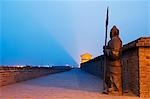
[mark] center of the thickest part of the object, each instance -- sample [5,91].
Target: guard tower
[85,57]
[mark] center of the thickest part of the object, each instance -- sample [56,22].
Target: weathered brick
[11,75]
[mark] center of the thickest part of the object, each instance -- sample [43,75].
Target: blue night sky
[58,32]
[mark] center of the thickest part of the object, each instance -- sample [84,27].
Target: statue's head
[114,32]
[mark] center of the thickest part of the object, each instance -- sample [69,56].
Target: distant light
[45,65]
[67,64]
[19,66]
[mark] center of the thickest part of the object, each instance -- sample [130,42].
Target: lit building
[85,57]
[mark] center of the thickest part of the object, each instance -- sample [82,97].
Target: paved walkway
[74,84]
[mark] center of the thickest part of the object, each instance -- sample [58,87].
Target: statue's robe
[114,66]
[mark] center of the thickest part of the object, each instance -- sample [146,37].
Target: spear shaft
[105,62]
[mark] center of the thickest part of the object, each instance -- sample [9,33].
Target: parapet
[140,42]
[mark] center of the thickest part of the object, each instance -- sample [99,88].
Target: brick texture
[10,75]
[94,66]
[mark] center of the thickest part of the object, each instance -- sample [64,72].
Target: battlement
[140,42]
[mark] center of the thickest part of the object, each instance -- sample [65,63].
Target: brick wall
[94,66]
[9,75]
[144,66]
[144,56]
[135,67]
[130,69]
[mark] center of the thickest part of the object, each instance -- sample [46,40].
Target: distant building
[85,57]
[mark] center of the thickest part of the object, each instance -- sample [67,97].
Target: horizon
[58,32]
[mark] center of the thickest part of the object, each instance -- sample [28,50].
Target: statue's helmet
[114,31]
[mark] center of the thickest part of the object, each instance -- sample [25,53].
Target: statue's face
[112,33]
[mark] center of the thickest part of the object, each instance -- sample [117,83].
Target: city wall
[10,75]
[135,67]
[94,66]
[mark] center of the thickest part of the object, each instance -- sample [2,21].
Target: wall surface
[10,75]
[94,66]
[144,66]
[130,70]
[144,61]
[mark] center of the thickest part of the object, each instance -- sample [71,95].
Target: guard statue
[113,78]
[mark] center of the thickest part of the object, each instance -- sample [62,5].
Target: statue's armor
[113,53]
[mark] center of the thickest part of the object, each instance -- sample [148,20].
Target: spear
[106,26]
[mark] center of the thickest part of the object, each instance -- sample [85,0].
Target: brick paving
[73,84]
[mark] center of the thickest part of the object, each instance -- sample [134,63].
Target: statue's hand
[106,47]
[103,47]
